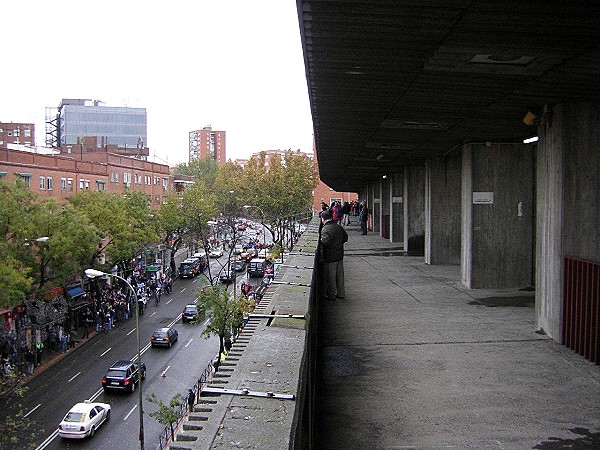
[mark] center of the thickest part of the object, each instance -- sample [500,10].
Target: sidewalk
[411,359]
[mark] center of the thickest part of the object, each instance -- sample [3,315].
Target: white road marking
[129,413]
[190,341]
[109,349]
[72,378]
[32,410]
[181,291]
[130,332]
[169,301]
[152,313]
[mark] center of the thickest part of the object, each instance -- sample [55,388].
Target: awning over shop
[75,291]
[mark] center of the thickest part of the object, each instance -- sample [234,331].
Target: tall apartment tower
[75,119]
[208,142]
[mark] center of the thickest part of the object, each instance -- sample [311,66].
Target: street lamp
[92,273]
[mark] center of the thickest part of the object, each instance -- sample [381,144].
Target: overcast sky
[234,64]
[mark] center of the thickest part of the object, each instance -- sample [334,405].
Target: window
[165,183]
[26,178]
[81,185]
[147,180]
[127,178]
[27,132]
[156,181]
[100,185]
[87,185]
[70,184]
[42,183]
[63,184]
[49,183]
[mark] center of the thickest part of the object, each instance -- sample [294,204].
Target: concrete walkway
[413,360]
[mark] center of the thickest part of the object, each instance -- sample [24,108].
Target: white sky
[234,64]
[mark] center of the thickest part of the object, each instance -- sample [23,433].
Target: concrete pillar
[443,210]
[376,209]
[385,207]
[498,214]
[568,223]
[397,207]
[414,210]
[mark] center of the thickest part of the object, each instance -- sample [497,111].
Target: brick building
[208,142]
[59,176]
[16,133]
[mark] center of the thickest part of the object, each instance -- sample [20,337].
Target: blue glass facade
[122,126]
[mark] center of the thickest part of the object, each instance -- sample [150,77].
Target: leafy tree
[126,225]
[283,188]
[71,239]
[204,170]
[15,281]
[167,414]
[225,313]
[172,225]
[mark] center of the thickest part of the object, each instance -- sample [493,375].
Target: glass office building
[122,126]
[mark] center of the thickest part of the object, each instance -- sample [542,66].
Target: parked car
[226,276]
[83,419]
[189,268]
[238,265]
[164,337]
[216,253]
[238,249]
[122,375]
[190,313]
[260,290]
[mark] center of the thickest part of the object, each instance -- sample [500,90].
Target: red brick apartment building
[208,142]
[61,175]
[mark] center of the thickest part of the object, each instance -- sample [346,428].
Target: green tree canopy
[204,170]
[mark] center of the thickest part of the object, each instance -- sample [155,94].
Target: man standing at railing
[333,237]
[191,399]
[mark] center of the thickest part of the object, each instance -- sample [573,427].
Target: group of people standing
[332,237]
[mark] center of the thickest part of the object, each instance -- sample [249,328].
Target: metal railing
[168,433]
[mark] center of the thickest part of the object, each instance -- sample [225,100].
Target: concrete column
[397,208]
[568,224]
[498,217]
[385,207]
[414,209]
[443,210]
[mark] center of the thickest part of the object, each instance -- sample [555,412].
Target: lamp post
[92,273]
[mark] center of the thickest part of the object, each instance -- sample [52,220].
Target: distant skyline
[231,64]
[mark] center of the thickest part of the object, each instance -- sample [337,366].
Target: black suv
[122,376]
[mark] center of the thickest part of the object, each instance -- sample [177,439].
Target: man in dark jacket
[333,237]
[363,216]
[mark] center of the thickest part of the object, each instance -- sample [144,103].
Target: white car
[216,253]
[83,420]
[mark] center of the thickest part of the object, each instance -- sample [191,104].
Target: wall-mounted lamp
[385,176]
[530,140]
[379,157]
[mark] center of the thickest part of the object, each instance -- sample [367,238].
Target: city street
[77,376]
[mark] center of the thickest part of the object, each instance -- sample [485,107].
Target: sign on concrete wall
[483,198]
[397,200]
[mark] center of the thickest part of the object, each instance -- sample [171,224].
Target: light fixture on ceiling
[530,140]
[502,59]
[379,157]
[531,118]
[384,176]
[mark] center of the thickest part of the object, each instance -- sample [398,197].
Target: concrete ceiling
[393,82]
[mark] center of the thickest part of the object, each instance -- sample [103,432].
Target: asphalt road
[78,375]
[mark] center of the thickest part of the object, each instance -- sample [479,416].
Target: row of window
[16,133]
[137,179]
[66,184]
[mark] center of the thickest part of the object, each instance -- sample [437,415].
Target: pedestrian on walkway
[191,399]
[29,361]
[363,216]
[332,239]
